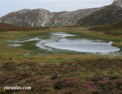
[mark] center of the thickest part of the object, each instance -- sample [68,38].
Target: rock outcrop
[107,15]
[43,18]
[118,3]
[82,17]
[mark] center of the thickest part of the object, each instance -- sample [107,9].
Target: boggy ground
[63,74]
[59,73]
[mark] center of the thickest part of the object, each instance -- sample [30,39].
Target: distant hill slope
[44,18]
[114,26]
[114,29]
[6,27]
[82,17]
[9,27]
[70,18]
[107,15]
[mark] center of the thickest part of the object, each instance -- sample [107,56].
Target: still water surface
[61,41]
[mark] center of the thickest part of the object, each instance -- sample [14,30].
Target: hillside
[44,18]
[9,27]
[114,29]
[108,15]
[83,17]
[6,27]
[107,27]
[69,18]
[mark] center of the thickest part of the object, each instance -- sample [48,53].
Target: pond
[64,41]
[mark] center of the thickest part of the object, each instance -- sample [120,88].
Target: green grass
[32,49]
[58,72]
[113,29]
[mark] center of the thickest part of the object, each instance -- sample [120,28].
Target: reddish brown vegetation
[64,78]
[9,27]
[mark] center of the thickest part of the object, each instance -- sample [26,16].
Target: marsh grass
[58,72]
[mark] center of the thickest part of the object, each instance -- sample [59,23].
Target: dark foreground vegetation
[67,74]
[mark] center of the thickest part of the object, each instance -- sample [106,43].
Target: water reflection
[60,41]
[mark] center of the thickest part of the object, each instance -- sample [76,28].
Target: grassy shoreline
[59,73]
[80,32]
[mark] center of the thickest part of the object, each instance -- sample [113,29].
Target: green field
[59,72]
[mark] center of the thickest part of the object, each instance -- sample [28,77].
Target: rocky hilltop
[71,18]
[107,15]
[118,3]
[27,17]
[82,17]
[42,17]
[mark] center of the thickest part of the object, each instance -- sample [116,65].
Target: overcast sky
[7,6]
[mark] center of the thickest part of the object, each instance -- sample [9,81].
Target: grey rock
[43,18]
[118,3]
[71,17]
[27,17]
[107,15]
